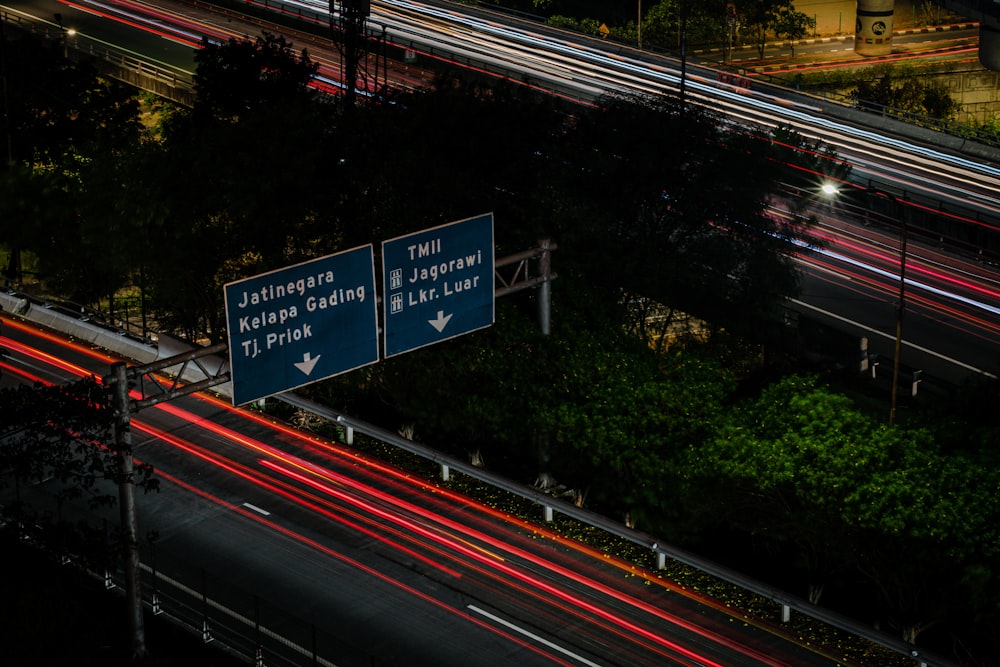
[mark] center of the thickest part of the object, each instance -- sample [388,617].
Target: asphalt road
[263,531]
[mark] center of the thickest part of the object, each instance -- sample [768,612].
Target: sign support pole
[545,289]
[126,500]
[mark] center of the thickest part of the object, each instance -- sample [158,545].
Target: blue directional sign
[302,323]
[438,284]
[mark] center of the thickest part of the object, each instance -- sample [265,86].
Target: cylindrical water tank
[873,28]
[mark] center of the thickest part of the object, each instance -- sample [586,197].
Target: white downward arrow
[441,322]
[308,363]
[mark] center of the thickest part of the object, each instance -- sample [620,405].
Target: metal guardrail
[242,623]
[948,127]
[245,632]
[211,607]
[551,504]
[158,77]
[129,60]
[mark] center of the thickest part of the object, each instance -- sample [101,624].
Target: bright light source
[829,189]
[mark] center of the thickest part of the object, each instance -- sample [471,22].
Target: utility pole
[119,382]
[638,25]
[684,22]
[351,19]
[6,104]
[900,307]
[901,300]
[126,501]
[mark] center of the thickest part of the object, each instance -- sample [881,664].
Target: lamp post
[900,307]
[901,300]
[730,32]
[9,153]
[683,48]
[638,25]
[830,190]
[64,34]
[70,32]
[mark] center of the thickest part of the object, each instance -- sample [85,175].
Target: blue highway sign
[302,324]
[438,284]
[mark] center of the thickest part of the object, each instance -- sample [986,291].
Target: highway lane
[926,176]
[951,322]
[573,65]
[915,169]
[388,565]
[101,26]
[910,171]
[172,45]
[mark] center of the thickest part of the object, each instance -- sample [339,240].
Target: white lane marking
[885,335]
[257,509]
[516,628]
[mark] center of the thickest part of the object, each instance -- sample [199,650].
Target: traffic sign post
[438,284]
[302,324]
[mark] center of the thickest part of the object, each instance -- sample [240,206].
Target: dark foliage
[62,434]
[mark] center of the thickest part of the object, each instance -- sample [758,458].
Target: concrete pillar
[989,46]
[873,28]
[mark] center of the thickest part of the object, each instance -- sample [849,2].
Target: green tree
[673,208]
[759,19]
[661,24]
[250,159]
[619,415]
[802,467]
[888,87]
[61,433]
[61,111]
[792,25]
[63,117]
[242,76]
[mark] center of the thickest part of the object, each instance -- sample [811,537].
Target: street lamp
[730,32]
[64,34]
[831,190]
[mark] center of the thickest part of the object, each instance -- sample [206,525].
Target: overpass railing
[166,80]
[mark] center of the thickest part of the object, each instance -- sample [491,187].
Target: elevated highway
[987,12]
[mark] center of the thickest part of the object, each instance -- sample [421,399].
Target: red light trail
[421,535]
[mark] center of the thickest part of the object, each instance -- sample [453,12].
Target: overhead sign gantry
[438,284]
[302,324]
[317,319]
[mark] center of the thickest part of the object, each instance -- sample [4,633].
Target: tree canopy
[63,434]
[883,86]
[63,120]
[804,469]
[670,263]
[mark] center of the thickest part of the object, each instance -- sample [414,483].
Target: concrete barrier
[79,328]
[117,342]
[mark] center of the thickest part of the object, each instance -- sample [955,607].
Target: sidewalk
[836,17]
